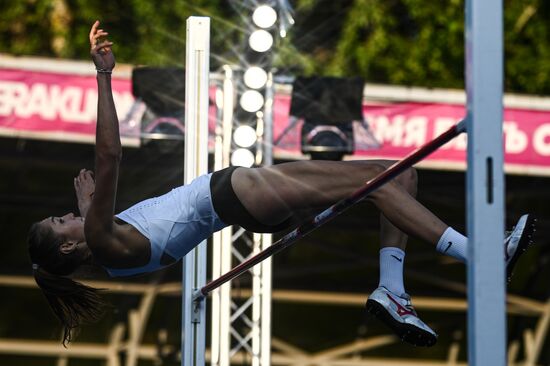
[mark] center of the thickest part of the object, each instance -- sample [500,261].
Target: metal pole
[215,319]
[336,209]
[267,239]
[485,184]
[196,164]
[221,249]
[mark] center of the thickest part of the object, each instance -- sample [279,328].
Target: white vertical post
[265,326]
[221,253]
[485,183]
[216,245]
[196,163]
[257,303]
[266,280]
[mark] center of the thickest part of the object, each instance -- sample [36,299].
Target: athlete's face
[69,227]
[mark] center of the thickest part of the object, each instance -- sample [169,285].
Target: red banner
[400,128]
[57,106]
[61,106]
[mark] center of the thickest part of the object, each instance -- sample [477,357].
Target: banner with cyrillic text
[58,106]
[395,130]
[63,107]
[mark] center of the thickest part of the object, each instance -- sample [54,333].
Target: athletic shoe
[398,313]
[517,241]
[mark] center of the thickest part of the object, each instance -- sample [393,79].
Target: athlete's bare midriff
[138,247]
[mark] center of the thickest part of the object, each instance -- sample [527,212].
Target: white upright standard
[196,163]
[485,184]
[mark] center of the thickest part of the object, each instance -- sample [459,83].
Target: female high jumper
[159,231]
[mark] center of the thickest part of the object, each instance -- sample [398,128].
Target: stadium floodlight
[260,40]
[255,77]
[244,136]
[328,106]
[264,16]
[252,101]
[242,157]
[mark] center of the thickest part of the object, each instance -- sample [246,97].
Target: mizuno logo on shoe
[396,257]
[401,310]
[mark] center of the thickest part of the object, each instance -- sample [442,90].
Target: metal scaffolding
[240,325]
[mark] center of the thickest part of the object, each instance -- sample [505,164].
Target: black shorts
[230,209]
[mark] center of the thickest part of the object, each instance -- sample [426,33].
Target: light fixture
[242,157]
[251,101]
[328,106]
[244,136]
[255,77]
[260,40]
[264,16]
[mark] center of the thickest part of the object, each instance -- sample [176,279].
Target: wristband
[104,71]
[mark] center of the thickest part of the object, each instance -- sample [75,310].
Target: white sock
[391,269]
[454,244]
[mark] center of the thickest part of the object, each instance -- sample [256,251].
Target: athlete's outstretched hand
[101,52]
[84,186]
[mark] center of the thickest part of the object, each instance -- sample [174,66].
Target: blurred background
[349,79]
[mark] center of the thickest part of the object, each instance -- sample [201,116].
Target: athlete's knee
[405,181]
[409,180]
[375,169]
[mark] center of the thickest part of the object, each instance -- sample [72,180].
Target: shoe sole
[406,332]
[524,242]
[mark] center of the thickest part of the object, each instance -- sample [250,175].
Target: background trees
[409,42]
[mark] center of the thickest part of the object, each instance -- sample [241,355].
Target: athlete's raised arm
[99,219]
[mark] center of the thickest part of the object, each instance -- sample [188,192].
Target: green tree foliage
[407,42]
[144,31]
[527,47]
[414,42]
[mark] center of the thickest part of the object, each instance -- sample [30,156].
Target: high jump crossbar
[336,209]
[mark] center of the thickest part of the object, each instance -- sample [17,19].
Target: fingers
[103,47]
[93,31]
[84,175]
[96,33]
[95,37]
[77,179]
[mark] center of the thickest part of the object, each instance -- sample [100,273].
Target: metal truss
[250,315]
[240,325]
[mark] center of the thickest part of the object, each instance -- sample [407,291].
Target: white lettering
[415,131]
[90,105]
[18,94]
[39,102]
[541,140]
[70,105]
[10,92]
[387,131]
[55,102]
[515,140]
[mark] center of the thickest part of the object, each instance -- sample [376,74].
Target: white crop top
[174,223]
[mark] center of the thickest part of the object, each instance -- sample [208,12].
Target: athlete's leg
[272,194]
[392,240]
[276,192]
[391,236]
